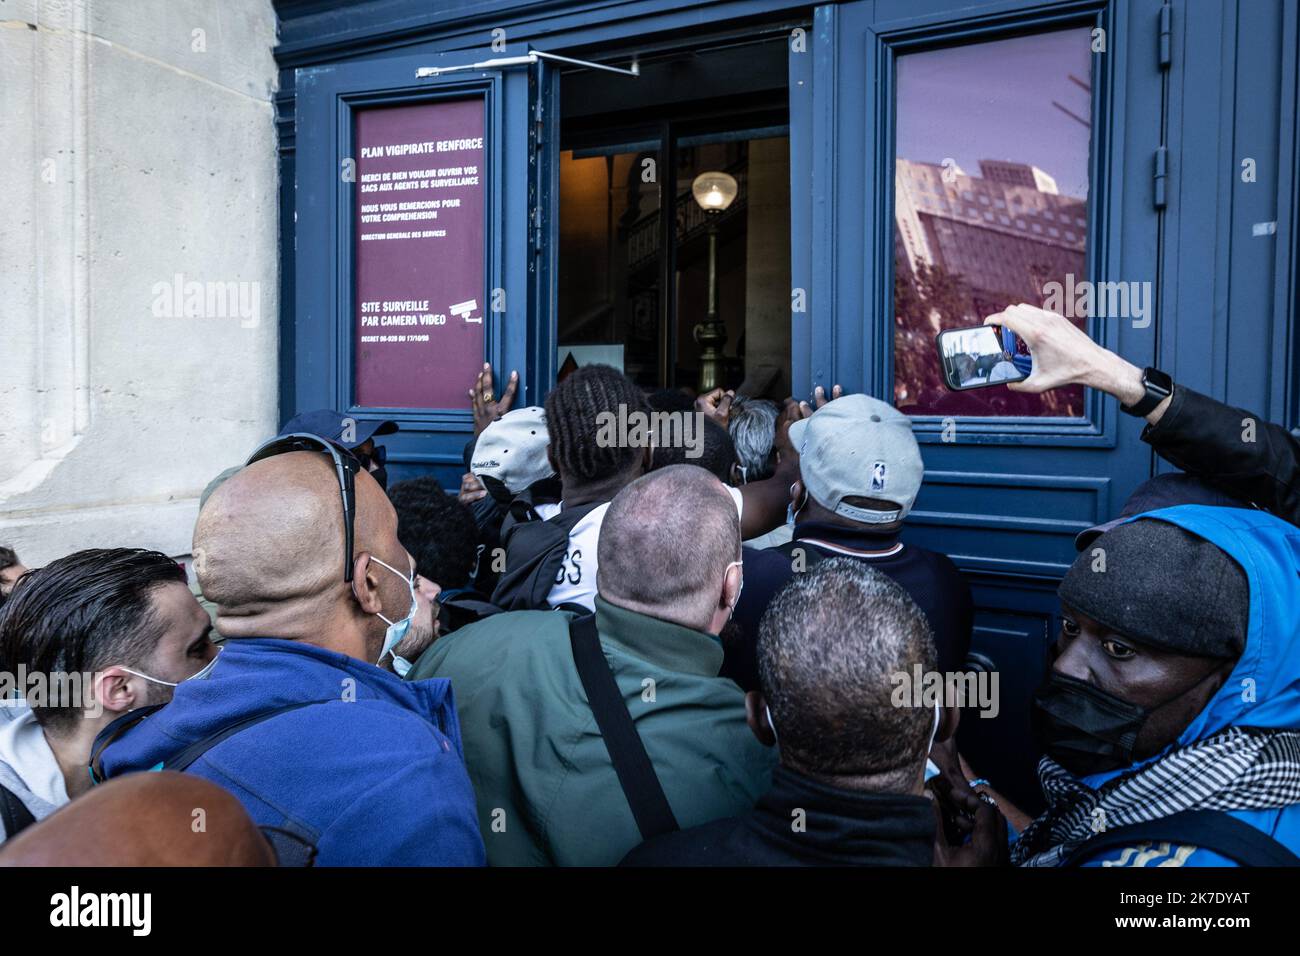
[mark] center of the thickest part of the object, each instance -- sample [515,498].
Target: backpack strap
[569,517]
[534,555]
[1213,830]
[522,508]
[181,761]
[461,606]
[13,813]
[110,733]
[290,849]
[636,774]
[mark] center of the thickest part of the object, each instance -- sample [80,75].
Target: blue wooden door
[953,157]
[329,100]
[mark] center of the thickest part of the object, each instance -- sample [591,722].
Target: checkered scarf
[1241,768]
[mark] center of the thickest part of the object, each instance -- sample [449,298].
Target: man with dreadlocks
[551,544]
[1170,718]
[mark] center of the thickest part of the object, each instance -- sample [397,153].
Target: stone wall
[138,264]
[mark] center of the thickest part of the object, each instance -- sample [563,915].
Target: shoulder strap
[1212,830]
[636,774]
[14,813]
[290,849]
[522,508]
[534,555]
[461,606]
[113,731]
[194,751]
[569,517]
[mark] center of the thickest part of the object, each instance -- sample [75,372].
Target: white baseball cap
[859,446]
[512,449]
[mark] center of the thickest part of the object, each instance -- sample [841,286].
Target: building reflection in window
[990,203]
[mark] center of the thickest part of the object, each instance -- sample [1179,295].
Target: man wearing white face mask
[299,552]
[849,788]
[87,638]
[587,732]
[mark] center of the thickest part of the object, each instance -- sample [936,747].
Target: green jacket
[547,792]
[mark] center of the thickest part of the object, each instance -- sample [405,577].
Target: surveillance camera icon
[465,310]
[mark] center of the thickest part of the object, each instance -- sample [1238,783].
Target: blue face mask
[396,632]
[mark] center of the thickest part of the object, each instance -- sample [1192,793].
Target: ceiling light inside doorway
[714,191]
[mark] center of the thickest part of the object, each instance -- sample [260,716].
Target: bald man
[296,719]
[669,576]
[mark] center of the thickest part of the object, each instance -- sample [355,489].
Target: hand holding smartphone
[982,355]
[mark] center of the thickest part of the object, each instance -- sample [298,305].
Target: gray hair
[830,648]
[753,431]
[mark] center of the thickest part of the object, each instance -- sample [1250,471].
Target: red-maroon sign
[420,209]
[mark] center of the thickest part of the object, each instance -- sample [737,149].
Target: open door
[679,289]
[417,215]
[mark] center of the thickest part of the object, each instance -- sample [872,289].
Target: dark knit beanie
[1162,586]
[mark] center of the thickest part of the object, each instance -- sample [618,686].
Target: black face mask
[1083,728]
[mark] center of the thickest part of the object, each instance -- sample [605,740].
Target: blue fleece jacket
[1264,688]
[373,775]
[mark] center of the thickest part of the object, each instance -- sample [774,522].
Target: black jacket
[1208,439]
[932,580]
[841,828]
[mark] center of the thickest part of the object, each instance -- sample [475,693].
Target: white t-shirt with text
[575,583]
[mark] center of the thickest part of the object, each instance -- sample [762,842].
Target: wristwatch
[1158,385]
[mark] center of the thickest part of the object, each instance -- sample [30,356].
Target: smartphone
[982,355]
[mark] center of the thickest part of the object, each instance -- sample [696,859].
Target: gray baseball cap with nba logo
[858,446]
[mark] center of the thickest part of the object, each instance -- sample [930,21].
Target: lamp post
[714,192]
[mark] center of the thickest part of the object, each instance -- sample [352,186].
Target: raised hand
[487,408]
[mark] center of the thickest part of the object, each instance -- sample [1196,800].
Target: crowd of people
[640,653]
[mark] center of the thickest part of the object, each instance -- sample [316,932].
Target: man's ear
[550,457]
[797,492]
[731,587]
[735,474]
[365,584]
[756,717]
[949,721]
[114,692]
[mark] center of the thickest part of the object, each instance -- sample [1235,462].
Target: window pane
[983,128]
[610,262]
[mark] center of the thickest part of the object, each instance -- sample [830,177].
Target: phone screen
[982,355]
